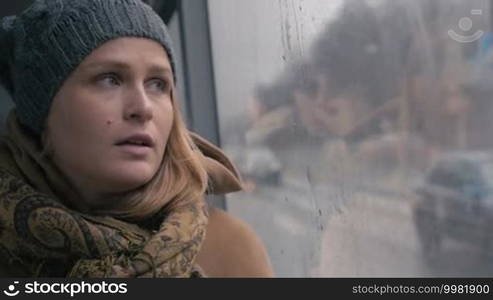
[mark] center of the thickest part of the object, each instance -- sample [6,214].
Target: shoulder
[232,249]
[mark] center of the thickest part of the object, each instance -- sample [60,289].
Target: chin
[131,178]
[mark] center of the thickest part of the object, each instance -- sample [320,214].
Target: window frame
[197,65]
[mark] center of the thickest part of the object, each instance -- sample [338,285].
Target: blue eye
[109,80]
[158,85]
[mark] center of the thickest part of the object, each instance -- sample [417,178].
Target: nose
[138,106]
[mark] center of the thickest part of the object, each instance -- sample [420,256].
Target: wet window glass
[362,130]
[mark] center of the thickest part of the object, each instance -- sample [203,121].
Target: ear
[6,52]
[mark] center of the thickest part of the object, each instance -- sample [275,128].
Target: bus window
[362,131]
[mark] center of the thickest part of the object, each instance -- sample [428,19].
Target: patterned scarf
[40,236]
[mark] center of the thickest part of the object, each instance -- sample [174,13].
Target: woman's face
[322,114]
[110,121]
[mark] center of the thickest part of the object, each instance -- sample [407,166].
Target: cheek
[81,111]
[84,128]
[77,141]
[77,125]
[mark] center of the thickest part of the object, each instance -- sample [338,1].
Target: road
[342,232]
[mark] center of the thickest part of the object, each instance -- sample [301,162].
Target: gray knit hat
[41,47]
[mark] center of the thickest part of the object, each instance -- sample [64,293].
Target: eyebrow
[155,68]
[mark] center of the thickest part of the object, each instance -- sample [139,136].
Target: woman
[99,176]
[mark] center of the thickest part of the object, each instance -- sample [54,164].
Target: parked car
[455,201]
